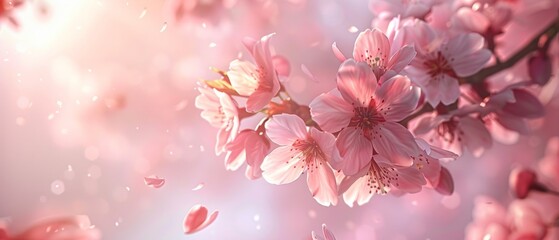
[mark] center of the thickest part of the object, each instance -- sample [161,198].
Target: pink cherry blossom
[220,110]
[301,149]
[454,131]
[428,163]
[197,219]
[60,228]
[441,61]
[249,146]
[257,81]
[366,116]
[379,176]
[374,48]
[327,234]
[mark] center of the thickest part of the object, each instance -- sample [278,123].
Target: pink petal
[249,44]
[280,166]
[253,173]
[355,150]
[241,74]
[339,55]
[326,142]
[396,98]
[331,112]
[307,72]
[476,137]
[514,123]
[526,105]
[370,45]
[256,149]
[198,187]
[401,58]
[258,100]
[395,142]
[446,183]
[449,90]
[154,181]
[322,184]
[356,82]
[327,234]
[236,154]
[358,193]
[196,219]
[471,63]
[464,44]
[410,179]
[281,64]
[284,129]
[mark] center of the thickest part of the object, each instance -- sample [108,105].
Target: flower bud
[539,68]
[521,181]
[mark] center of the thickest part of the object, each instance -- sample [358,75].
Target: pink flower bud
[446,184]
[526,105]
[521,181]
[539,68]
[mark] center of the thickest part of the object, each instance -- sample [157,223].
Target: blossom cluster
[413,94]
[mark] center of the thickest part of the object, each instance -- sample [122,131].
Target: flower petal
[395,142]
[339,55]
[355,150]
[396,98]
[241,74]
[446,183]
[284,129]
[372,46]
[327,234]
[476,136]
[356,82]
[331,112]
[196,219]
[449,90]
[322,184]
[154,181]
[401,58]
[281,166]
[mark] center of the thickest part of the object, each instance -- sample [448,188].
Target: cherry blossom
[454,132]
[301,149]
[374,48]
[220,110]
[257,81]
[379,176]
[442,61]
[365,116]
[249,146]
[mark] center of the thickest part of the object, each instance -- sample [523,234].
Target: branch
[551,30]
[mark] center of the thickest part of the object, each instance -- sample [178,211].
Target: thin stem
[550,31]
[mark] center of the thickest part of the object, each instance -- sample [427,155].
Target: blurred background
[95,95]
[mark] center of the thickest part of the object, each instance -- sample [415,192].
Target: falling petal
[197,219]
[353,29]
[143,13]
[164,27]
[154,181]
[198,187]
[307,72]
[212,45]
